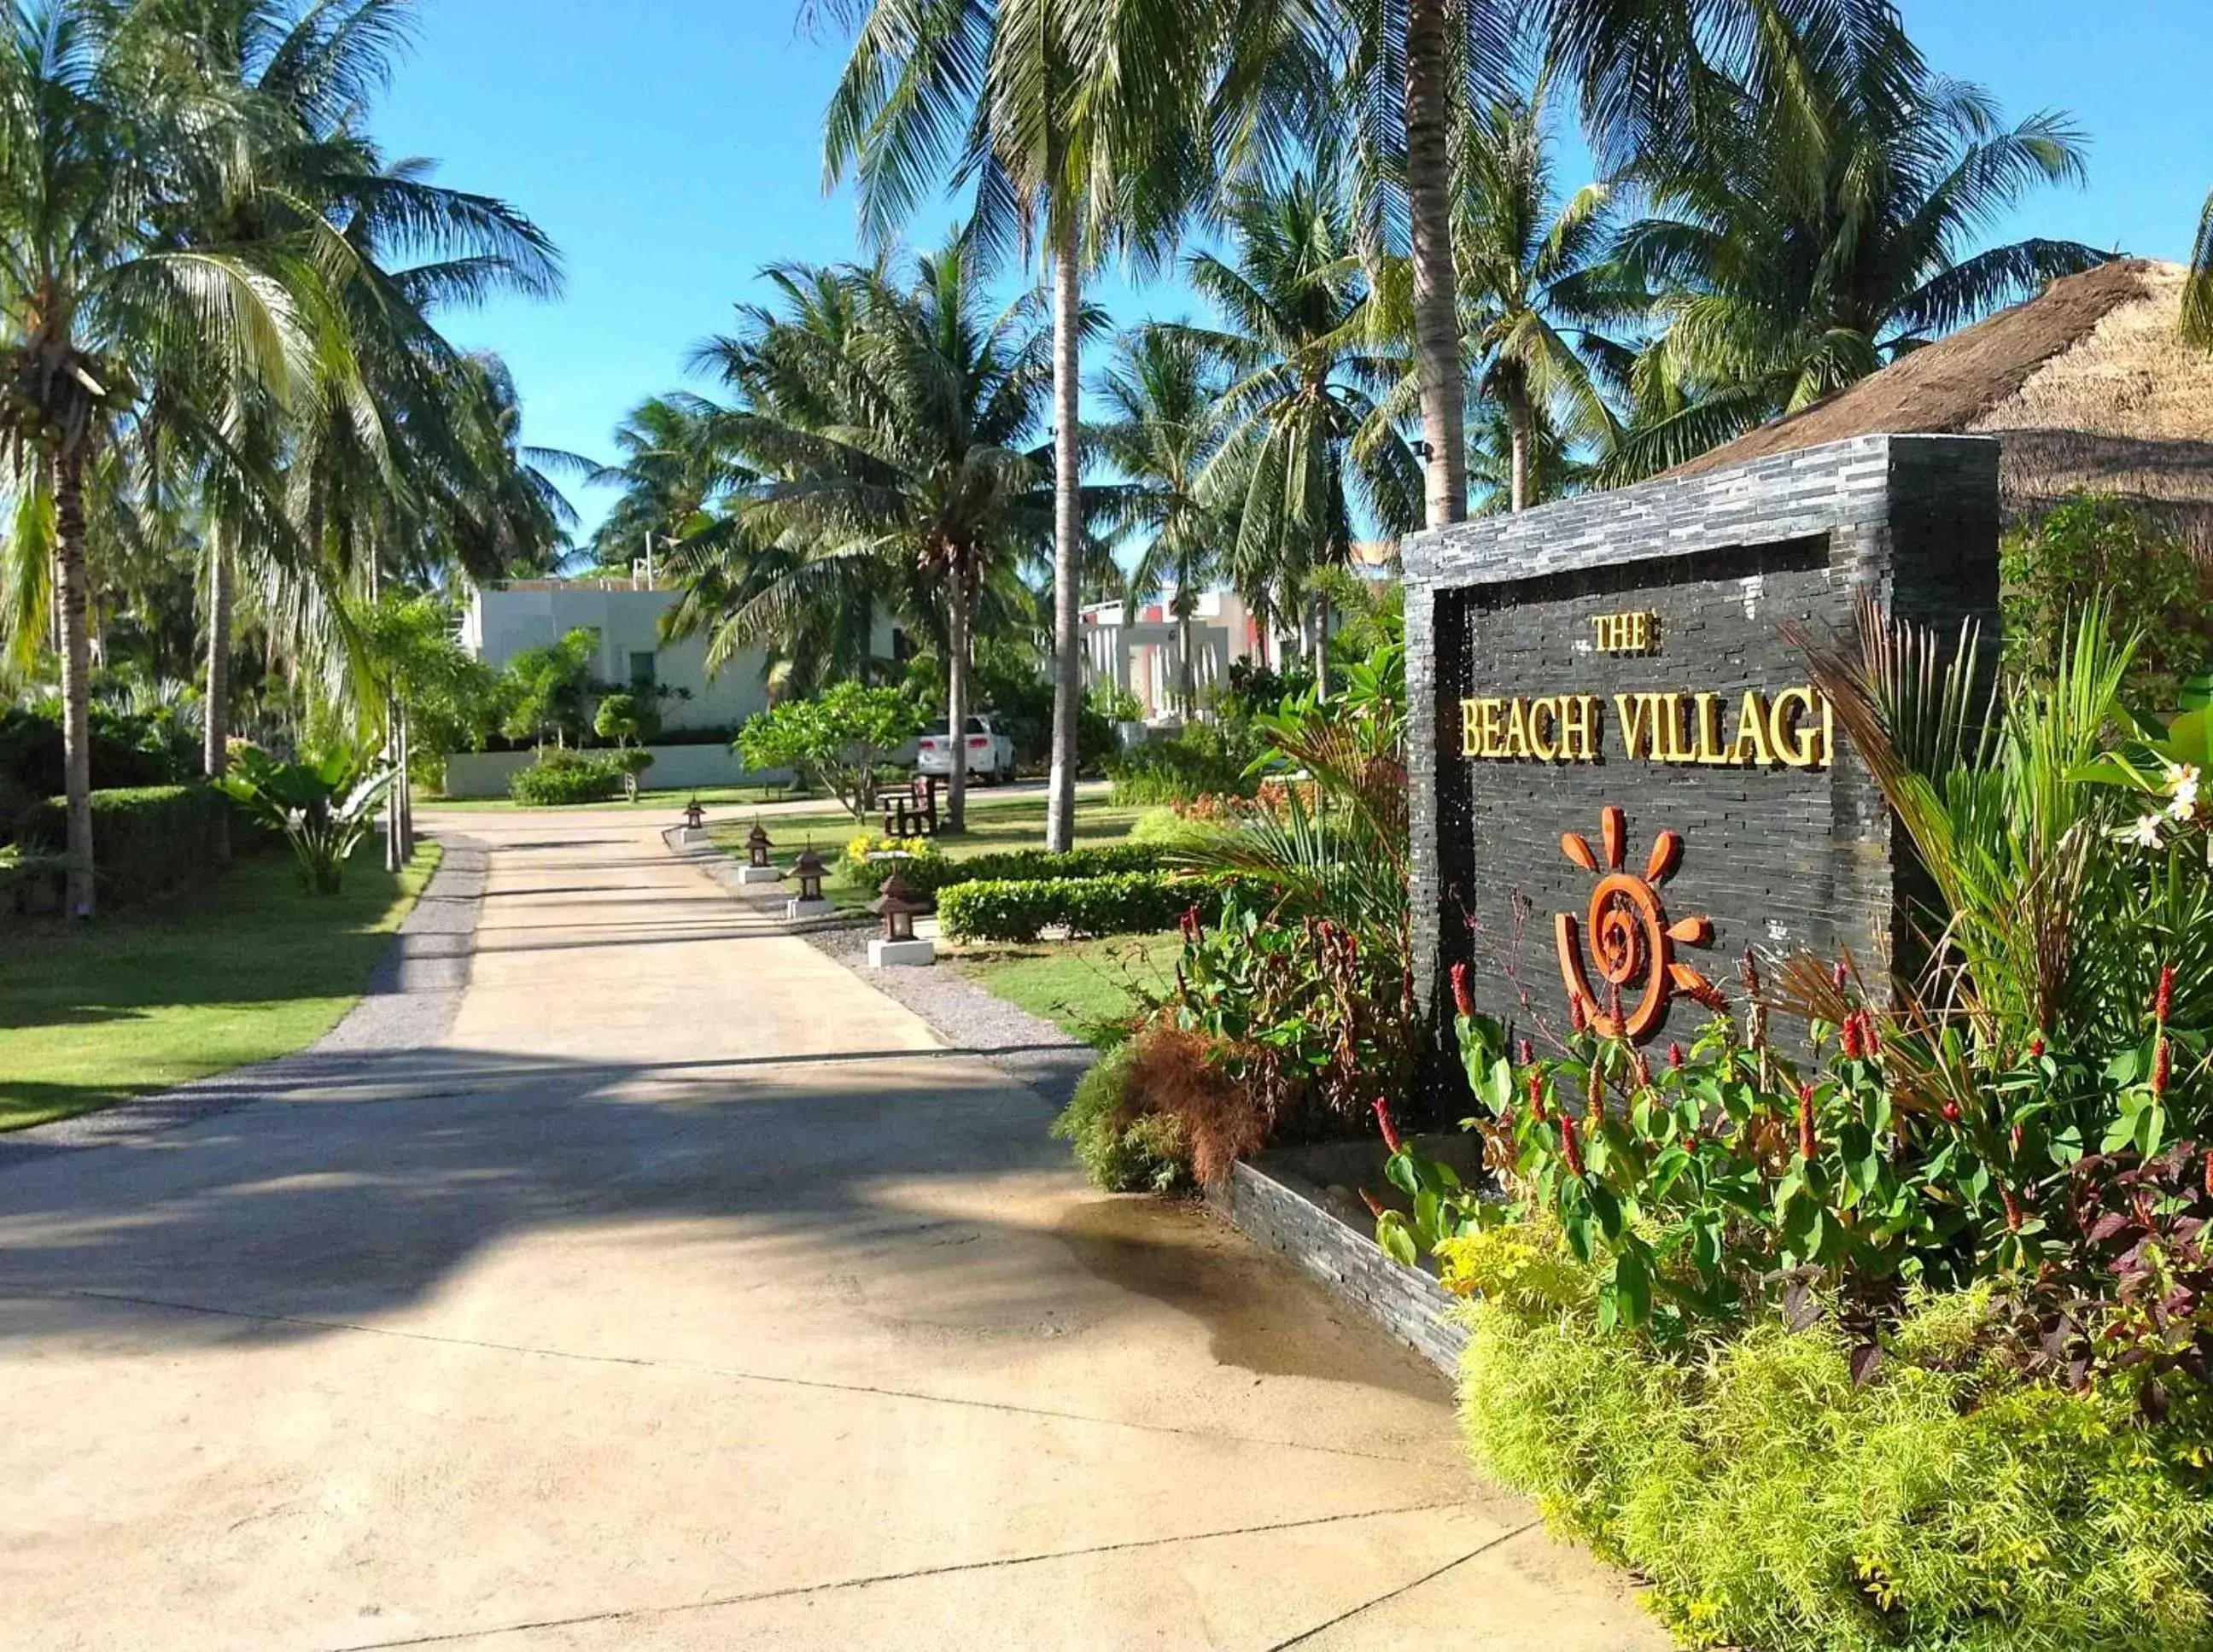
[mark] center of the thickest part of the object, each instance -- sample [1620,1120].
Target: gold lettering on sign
[1795,728]
[1625,633]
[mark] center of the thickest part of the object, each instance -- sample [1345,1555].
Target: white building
[626,615]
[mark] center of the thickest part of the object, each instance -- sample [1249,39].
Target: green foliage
[1313,1022]
[2156,589]
[128,751]
[568,776]
[1162,828]
[626,719]
[837,740]
[451,699]
[928,877]
[323,804]
[546,691]
[1120,1154]
[1175,772]
[1772,1501]
[151,839]
[1126,903]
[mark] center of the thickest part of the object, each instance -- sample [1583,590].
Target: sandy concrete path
[688,1296]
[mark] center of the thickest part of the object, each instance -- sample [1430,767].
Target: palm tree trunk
[1321,642]
[214,717]
[1436,304]
[1186,688]
[77,674]
[1067,540]
[406,795]
[1517,412]
[956,695]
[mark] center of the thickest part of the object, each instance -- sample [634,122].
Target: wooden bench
[913,813]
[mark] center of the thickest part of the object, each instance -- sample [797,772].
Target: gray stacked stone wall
[1280,1209]
[1779,858]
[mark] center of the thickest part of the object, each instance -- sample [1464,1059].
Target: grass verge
[247,968]
[1088,988]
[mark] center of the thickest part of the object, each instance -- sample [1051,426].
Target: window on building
[642,671]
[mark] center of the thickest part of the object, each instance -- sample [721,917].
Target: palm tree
[1080,129]
[1812,238]
[2198,296]
[99,147]
[1162,396]
[675,473]
[1534,288]
[908,450]
[1311,445]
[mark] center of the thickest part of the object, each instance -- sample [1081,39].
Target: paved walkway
[687,1294]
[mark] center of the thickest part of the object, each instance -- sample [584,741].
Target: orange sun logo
[1631,940]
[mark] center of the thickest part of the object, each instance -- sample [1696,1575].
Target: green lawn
[994,823]
[1082,985]
[668,800]
[247,968]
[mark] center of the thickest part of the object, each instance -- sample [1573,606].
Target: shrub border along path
[409,1002]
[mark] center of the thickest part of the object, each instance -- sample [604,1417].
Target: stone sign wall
[1623,776]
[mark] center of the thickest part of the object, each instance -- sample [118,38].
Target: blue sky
[673,147]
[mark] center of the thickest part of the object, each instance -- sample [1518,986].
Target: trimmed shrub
[1166,831]
[567,777]
[1774,1504]
[1127,903]
[929,877]
[1119,1153]
[146,840]
[1175,772]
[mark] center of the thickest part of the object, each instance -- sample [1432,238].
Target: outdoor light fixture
[757,868]
[695,815]
[898,945]
[809,868]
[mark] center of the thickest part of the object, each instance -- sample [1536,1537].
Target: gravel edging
[411,999]
[1031,1051]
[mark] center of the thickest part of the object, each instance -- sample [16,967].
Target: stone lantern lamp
[692,834]
[757,868]
[808,903]
[898,946]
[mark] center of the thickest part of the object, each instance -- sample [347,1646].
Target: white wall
[675,768]
[504,620]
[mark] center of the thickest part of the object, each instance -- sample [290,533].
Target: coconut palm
[1535,289]
[1809,240]
[99,152]
[1310,446]
[2198,296]
[908,451]
[1081,129]
[674,474]
[1163,394]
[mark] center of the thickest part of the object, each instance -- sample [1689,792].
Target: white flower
[2182,786]
[2145,834]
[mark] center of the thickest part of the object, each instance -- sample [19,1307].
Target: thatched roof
[2087,386]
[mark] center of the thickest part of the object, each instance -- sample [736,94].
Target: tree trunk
[405,793]
[1321,642]
[1067,539]
[1187,688]
[1517,413]
[956,695]
[214,717]
[76,672]
[1436,304]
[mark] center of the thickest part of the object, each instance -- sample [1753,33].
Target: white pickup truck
[991,752]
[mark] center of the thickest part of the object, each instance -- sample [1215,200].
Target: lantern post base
[691,837]
[795,910]
[898,954]
[760,874]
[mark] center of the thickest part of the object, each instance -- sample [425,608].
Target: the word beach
[1794,728]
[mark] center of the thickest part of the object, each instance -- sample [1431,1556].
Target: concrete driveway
[687,1294]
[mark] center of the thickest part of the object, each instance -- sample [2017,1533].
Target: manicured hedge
[566,777]
[1126,903]
[928,876]
[146,840]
